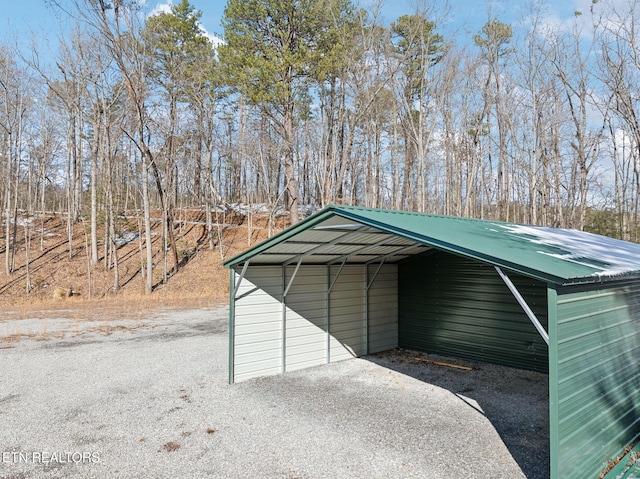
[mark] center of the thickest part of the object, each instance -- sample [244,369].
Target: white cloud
[166,8]
[215,40]
[582,15]
[161,8]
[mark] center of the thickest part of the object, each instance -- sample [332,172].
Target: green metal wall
[595,386]
[453,306]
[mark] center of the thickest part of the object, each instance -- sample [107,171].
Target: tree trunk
[147,226]
[8,196]
[94,195]
[27,263]
[291,185]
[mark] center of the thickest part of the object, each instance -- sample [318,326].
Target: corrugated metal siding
[260,330]
[347,313]
[383,308]
[306,318]
[552,307]
[459,307]
[258,324]
[598,385]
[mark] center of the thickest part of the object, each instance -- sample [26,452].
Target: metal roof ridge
[448,217]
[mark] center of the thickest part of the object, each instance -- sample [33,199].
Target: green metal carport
[350,281]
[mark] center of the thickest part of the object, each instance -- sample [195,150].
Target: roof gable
[355,234]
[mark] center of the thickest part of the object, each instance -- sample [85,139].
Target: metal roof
[351,234]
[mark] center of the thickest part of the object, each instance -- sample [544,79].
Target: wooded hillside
[309,103]
[51,271]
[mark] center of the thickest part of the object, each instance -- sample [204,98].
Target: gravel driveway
[148,398]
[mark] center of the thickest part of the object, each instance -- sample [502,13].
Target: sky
[25,18]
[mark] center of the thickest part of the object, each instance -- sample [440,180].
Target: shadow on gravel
[56,344]
[187,330]
[515,401]
[123,332]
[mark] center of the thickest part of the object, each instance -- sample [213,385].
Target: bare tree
[117,26]
[13,110]
[494,42]
[619,64]
[570,57]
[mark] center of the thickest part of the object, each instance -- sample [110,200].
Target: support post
[366,309]
[327,302]
[330,284]
[283,364]
[232,322]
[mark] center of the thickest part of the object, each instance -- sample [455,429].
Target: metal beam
[337,227]
[298,257]
[406,249]
[252,290]
[337,274]
[375,275]
[365,248]
[523,304]
[244,270]
[293,276]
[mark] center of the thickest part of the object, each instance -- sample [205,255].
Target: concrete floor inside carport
[434,421]
[514,401]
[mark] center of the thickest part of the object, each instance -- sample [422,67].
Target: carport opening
[377,295]
[514,401]
[454,311]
